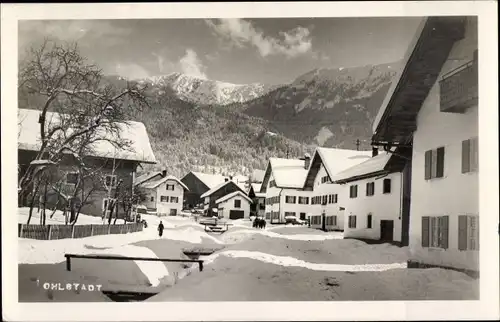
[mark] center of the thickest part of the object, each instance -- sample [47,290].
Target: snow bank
[239,235]
[291,261]
[154,271]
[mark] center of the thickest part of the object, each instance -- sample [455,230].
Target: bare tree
[57,78]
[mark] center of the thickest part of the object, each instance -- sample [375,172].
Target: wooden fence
[51,232]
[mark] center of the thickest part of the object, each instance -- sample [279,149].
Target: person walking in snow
[160,229]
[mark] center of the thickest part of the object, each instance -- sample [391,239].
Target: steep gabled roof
[210,180]
[369,168]
[217,187]
[156,183]
[255,188]
[287,173]
[231,195]
[428,51]
[334,161]
[258,175]
[146,177]
[139,150]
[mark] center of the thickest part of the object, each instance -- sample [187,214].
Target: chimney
[307,161]
[164,173]
[374,151]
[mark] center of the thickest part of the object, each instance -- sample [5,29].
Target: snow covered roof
[256,190]
[139,150]
[232,195]
[287,173]
[210,180]
[371,166]
[145,177]
[156,183]
[217,187]
[334,160]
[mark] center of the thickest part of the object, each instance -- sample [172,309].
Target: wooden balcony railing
[459,88]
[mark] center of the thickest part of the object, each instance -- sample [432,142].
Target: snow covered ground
[248,256]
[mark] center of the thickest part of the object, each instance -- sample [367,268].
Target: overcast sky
[272,51]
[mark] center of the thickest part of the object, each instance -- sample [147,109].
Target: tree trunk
[32,203]
[55,209]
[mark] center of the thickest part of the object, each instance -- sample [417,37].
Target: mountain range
[215,127]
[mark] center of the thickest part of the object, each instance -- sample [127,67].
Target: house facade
[163,196]
[258,206]
[373,198]
[198,183]
[114,169]
[440,124]
[325,208]
[211,196]
[235,205]
[282,185]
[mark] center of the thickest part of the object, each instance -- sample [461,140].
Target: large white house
[432,107]
[325,209]
[164,195]
[235,205]
[283,185]
[373,198]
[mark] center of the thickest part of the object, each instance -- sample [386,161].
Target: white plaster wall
[161,190]
[382,206]
[455,193]
[228,205]
[321,189]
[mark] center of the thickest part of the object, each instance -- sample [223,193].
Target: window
[275,215]
[387,186]
[353,191]
[331,221]
[324,200]
[435,231]
[468,232]
[152,198]
[290,199]
[174,199]
[370,188]
[111,181]
[302,216]
[237,203]
[164,198]
[170,187]
[304,200]
[335,198]
[470,155]
[72,177]
[369,221]
[434,163]
[315,220]
[268,215]
[292,214]
[325,179]
[352,221]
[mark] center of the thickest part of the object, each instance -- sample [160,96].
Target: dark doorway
[302,216]
[236,214]
[387,230]
[323,222]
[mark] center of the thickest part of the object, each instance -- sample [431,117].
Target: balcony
[459,88]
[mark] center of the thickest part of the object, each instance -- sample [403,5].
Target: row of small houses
[420,189]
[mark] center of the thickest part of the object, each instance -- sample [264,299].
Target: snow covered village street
[280,263]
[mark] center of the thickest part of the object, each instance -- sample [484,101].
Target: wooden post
[21,232]
[50,232]
[68,263]
[109,229]
[72,231]
[91,230]
[200,264]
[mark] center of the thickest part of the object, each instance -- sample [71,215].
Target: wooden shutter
[474,154]
[465,156]
[444,230]
[462,232]
[428,162]
[354,221]
[425,231]
[440,162]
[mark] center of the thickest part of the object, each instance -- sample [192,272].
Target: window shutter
[428,161]
[465,156]
[475,154]
[444,227]
[425,231]
[462,232]
[440,162]
[354,221]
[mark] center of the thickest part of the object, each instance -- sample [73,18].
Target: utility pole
[357,144]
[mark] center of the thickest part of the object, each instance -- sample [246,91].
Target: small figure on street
[160,229]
